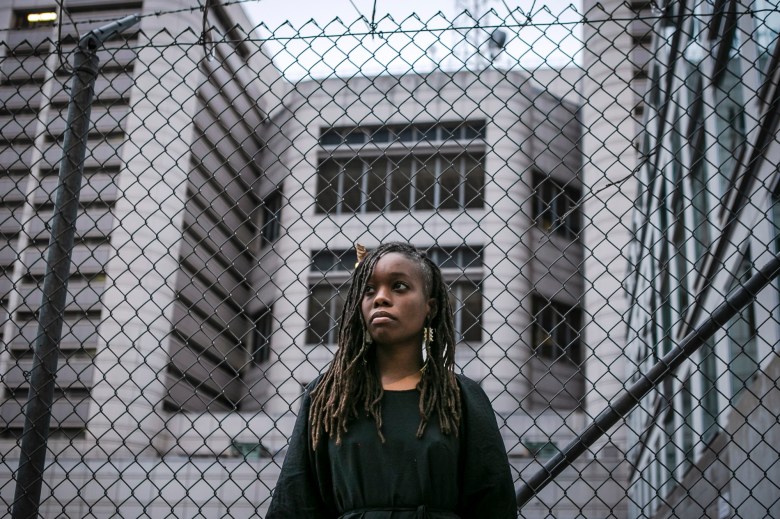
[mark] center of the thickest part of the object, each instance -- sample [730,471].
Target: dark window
[356,136]
[261,343]
[462,257]
[352,194]
[400,185]
[556,331]
[376,185]
[326,261]
[328,186]
[424,183]
[329,284]
[466,300]
[330,137]
[272,208]
[381,134]
[326,301]
[556,207]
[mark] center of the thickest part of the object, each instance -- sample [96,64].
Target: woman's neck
[399,368]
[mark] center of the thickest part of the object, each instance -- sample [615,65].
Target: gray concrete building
[158,320]
[704,444]
[220,208]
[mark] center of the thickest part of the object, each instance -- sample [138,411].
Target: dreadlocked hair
[352,384]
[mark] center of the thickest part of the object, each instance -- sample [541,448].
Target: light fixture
[42,17]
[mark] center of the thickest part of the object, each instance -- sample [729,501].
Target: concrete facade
[184,253]
[702,443]
[147,227]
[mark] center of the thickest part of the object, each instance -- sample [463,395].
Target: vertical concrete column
[505,350]
[610,192]
[290,364]
[126,417]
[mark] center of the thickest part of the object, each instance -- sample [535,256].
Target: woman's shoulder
[471,392]
[465,383]
[311,386]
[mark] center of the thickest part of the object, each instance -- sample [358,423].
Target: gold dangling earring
[427,340]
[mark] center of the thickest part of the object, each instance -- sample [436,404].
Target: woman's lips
[381,318]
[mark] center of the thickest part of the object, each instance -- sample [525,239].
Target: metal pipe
[32,460]
[630,397]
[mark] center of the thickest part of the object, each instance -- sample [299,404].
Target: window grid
[411,182]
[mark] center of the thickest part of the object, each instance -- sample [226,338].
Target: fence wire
[593,180]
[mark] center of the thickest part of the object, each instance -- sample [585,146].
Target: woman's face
[395,304]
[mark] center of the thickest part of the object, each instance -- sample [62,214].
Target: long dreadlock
[352,384]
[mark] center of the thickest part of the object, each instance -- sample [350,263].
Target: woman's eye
[400,286]
[368,291]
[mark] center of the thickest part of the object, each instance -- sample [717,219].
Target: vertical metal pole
[32,460]
[629,398]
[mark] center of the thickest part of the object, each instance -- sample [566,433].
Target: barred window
[329,284]
[401,168]
[556,331]
[556,207]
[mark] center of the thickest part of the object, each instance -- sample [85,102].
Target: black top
[437,476]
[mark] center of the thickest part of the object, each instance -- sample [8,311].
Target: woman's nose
[382,297]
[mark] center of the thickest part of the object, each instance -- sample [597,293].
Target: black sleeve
[298,494]
[487,489]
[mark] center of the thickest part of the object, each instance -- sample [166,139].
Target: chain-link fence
[593,180]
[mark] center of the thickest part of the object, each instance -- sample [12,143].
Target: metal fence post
[29,477]
[630,397]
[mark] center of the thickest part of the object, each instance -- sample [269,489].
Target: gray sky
[302,51]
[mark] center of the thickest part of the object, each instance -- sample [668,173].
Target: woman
[389,430]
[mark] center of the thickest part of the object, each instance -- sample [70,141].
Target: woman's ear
[433,309]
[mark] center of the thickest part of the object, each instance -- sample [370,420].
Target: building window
[261,340]
[328,287]
[401,168]
[556,331]
[329,283]
[33,19]
[556,207]
[272,209]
